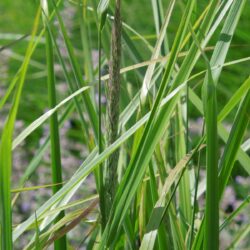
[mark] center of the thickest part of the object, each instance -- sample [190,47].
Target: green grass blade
[34,125]
[235,99]
[211,232]
[11,88]
[78,76]
[70,82]
[37,40]
[184,187]
[234,142]
[5,151]
[223,44]
[242,157]
[163,237]
[56,166]
[34,163]
[211,237]
[150,70]
[159,210]
[30,169]
[196,186]
[209,98]
[86,46]
[158,16]
[102,7]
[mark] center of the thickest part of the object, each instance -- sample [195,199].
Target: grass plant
[157,184]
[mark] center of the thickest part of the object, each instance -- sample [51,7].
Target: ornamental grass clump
[150,137]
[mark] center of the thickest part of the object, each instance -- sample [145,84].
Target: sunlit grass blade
[37,40]
[69,205]
[5,150]
[40,120]
[158,15]
[40,152]
[25,189]
[157,51]
[10,90]
[102,7]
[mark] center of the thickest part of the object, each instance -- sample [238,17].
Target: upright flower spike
[113,109]
[102,14]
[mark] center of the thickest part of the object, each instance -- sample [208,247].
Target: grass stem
[56,167]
